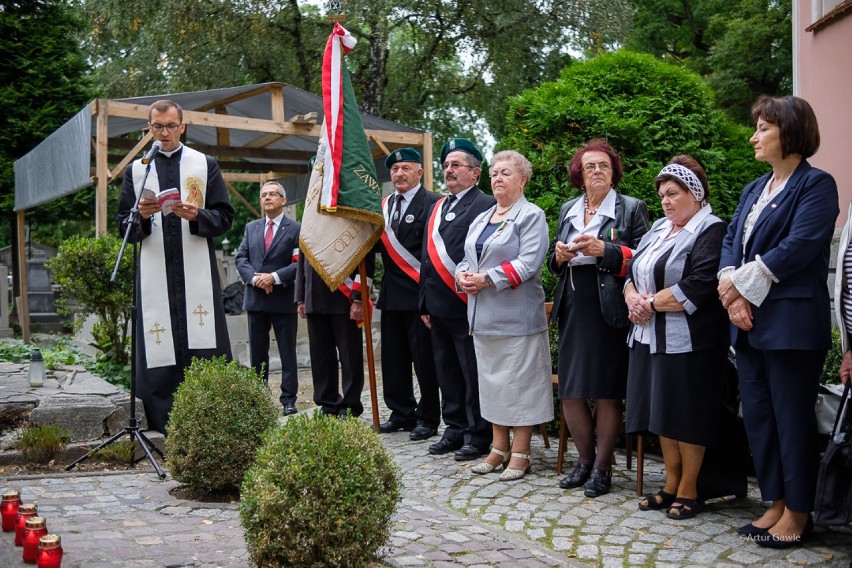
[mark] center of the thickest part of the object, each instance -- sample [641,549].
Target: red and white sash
[398,253]
[438,254]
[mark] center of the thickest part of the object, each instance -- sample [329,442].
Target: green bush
[648,110]
[831,368]
[41,444]
[83,267]
[220,412]
[321,494]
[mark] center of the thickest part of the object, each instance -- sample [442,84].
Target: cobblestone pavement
[448,517]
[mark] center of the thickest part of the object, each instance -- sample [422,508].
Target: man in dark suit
[405,339]
[444,307]
[266,261]
[333,335]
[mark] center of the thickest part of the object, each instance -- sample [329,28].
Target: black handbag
[833,505]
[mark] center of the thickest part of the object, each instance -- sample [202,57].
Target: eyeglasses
[590,168]
[272,193]
[455,165]
[159,127]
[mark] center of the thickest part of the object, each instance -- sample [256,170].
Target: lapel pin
[409,218]
[450,216]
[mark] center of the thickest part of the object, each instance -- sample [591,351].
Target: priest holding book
[180,314]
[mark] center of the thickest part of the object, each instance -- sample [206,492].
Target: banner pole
[368,332]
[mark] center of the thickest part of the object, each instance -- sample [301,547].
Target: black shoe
[751,530]
[444,446]
[767,540]
[422,432]
[391,426]
[599,483]
[577,477]
[469,452]
[289,409]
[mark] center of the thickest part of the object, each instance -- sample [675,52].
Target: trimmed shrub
[220,412]
[831,368]
[41,444]
[321,493]
[648,110]
[83,267]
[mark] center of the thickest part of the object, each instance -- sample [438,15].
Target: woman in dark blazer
[773,282]
[596,237]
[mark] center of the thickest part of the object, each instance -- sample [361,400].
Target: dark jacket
[435,296]
[793,236]
[630,223]
[251,258]
[399,292]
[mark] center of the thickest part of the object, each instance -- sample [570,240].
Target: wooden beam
[128,110]
[119,169]
[380,145]
[254,178]
[140,112]
[428,173]
[102,172]
[307,118]
[228,151]
[23,301]
[242,96]
[223,135]
[239,196]
[276,96]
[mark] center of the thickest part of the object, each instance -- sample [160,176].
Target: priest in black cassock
[180,314]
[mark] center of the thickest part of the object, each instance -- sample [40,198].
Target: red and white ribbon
[398,253]
[437,251]
[339,41]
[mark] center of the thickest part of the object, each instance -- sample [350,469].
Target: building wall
[822,75]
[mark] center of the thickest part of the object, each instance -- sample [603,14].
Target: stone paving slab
[448,517]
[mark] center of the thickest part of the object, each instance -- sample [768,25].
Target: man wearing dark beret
[405,338]
[444,309]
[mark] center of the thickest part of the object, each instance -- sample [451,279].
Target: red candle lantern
[49,552]
[35,529]
[25,511]
[9,509]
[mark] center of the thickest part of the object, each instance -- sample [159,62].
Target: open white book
[166,198]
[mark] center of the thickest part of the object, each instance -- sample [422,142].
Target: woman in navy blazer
[773,282]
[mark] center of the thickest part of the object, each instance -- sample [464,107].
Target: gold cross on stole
[200,313]
[157,330]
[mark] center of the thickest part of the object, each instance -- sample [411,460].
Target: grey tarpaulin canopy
[256,132]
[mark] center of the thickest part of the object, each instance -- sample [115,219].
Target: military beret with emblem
[402,155]
[460,145]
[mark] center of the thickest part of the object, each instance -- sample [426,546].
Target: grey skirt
[515,386]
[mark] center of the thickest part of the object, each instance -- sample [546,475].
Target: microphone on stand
[155,147]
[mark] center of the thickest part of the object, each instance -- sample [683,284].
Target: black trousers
[335,337]
[459,382]
[778,390]
[406,341]
[285,326]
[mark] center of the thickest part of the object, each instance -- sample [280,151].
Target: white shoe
[485,467]
[513,474]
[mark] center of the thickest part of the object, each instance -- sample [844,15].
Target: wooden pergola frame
[271,130]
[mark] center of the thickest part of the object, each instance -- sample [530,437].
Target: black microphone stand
[132,428]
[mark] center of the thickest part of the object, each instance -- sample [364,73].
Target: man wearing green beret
[444,309]
[405,338]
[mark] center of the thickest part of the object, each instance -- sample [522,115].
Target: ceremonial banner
[343,216]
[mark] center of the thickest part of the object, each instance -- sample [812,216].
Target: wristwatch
[488,281]
[651,303]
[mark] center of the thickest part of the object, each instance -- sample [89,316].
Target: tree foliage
[42,85]
[444,66]
[743,48]
[648,110]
